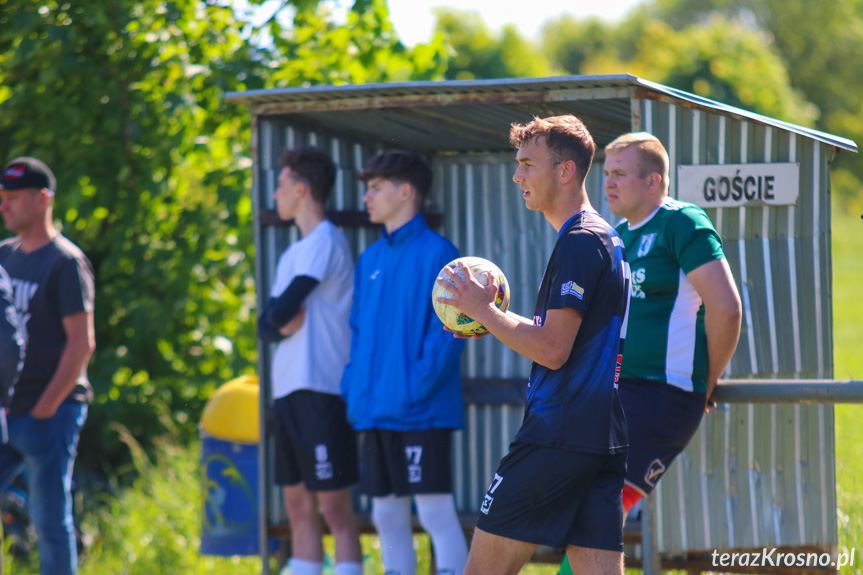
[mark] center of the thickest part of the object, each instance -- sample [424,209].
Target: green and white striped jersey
[665,338]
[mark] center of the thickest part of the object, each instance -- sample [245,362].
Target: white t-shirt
[315,356]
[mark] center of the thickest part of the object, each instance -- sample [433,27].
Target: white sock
[392,518]
[439,518]
[303,567]
[349,568]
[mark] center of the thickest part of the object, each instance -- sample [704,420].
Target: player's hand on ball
[468,294]
[460,335]
[462,285]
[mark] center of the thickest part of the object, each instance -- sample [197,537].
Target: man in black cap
[46,339]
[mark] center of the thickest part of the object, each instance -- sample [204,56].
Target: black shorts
[406,462]
[661,419]
[555,497]
[314,442]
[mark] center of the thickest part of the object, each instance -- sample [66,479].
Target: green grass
[848,364]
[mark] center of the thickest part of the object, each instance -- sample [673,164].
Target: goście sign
[732,185]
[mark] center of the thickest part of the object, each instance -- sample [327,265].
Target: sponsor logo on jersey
[572,288]
[636,279]
[654,472]
[647,241]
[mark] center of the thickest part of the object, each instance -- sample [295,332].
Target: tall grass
[848,364]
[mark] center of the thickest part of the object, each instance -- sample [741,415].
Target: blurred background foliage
[125,100]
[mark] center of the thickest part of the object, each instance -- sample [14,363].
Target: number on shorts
[414,453]
[495,483]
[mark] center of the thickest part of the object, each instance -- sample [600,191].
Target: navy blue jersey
[576,407]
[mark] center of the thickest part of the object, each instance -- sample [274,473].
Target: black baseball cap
[24,173]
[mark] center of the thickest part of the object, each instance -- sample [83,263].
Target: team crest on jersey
[654,472]
[572,288]
[647,241]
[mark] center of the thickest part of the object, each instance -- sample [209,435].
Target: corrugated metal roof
[474,115]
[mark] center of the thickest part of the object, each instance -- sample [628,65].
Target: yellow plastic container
[233,413]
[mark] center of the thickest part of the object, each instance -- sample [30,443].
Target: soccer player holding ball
[560,484]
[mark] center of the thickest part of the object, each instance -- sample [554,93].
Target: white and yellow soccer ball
[451,316]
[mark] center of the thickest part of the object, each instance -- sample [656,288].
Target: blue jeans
[46,448]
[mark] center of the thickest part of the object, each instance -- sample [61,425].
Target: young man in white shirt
[307,314]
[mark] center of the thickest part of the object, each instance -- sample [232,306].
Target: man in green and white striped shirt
[684,315]
[684,311]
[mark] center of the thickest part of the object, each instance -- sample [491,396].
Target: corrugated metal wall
[754,475]
[483,215]
[762,475]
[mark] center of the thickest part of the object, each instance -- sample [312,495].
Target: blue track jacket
[404,371]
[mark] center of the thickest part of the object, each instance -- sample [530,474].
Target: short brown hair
[652,155]
[566,138]
[314,167]
[401,166]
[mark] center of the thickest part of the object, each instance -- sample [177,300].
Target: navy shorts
[661,419]
[406,462]
[314,442]
[557,498]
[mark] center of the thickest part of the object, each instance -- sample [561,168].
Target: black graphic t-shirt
[37,290]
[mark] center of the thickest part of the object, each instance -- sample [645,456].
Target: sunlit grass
[848,364]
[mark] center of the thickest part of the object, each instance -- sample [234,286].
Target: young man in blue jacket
[403,383]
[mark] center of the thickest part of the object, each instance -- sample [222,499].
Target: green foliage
[365,49]
[719,58]
[125,101]
[155,526]
[848,364]
[478,52]
[573,43]
[847,308]
[820,47]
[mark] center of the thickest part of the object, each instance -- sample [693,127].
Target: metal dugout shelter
[755,475]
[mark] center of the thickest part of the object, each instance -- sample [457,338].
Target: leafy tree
[820,46]
[718,58]
[478,52]
[572,43]
[364,49]
[124,99]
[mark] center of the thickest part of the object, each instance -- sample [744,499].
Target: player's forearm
[75,356]
[524,337]
[722,327]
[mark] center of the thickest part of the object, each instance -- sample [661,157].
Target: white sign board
[734,185]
